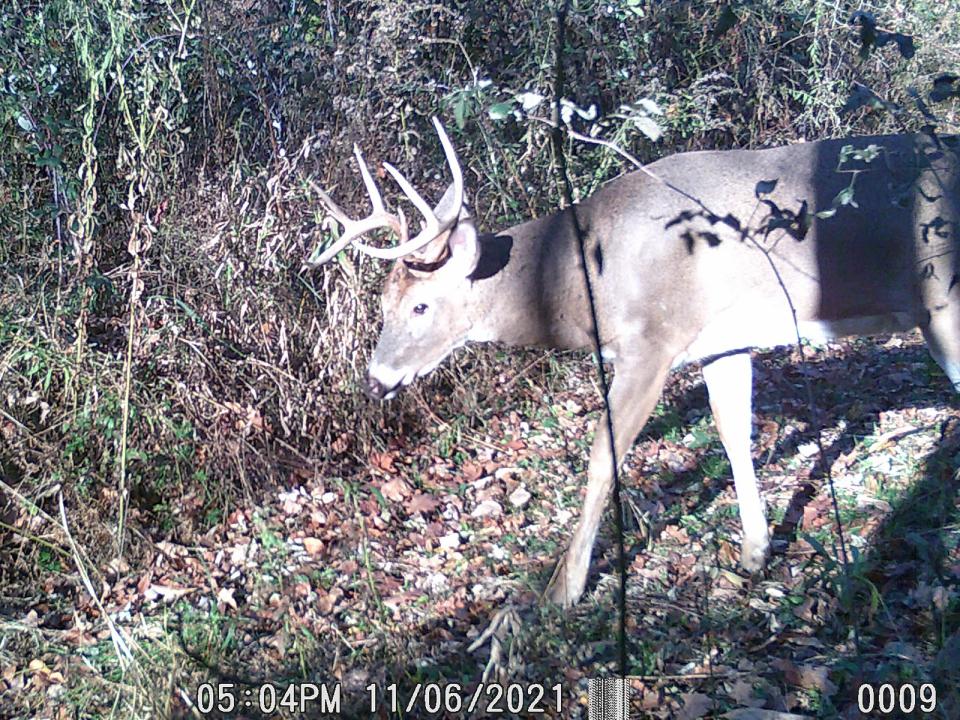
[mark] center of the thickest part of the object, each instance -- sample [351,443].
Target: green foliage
[157,342]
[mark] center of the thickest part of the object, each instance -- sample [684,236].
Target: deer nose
[375,389]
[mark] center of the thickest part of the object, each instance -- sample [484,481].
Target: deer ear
[435,253]
[464,248]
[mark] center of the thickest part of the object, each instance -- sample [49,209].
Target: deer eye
[419,309]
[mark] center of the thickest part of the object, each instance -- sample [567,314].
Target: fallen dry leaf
[471,471]
[520,497]
[38,666]
[487,508]
[450,540]
[395,490]
[742,693]
[327,601]
[167,592]
[422,503]
[384,461]
[225,599]
[695,706]
[341,444]
[312,545]
[79,635]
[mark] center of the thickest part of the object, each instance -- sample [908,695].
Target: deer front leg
[730,385]
[633,395]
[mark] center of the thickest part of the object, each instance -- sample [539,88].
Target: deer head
[424,317]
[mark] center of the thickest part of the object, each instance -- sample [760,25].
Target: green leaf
[49,161]
[820,549]
[845,197]
[500,111]
[384,505]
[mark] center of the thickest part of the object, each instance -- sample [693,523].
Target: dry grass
[166,370]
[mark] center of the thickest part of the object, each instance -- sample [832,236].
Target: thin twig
[433,416]
[120,642]
[566,188]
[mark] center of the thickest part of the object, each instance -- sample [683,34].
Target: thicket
[160,350]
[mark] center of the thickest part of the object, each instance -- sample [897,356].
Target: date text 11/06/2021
[431,698]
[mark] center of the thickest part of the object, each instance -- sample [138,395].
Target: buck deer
[701,257]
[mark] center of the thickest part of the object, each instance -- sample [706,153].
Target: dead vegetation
[194,488]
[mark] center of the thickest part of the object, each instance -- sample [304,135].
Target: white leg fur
[945,349]
[633,395]
[730,385]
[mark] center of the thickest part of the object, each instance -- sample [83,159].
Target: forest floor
[375,579]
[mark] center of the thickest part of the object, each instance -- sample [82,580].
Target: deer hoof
[561,590]
[753,554]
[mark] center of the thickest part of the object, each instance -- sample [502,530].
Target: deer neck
[527,289]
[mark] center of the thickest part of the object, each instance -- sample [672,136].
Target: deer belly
[737,331]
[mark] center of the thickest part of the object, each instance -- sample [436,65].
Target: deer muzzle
[377,390]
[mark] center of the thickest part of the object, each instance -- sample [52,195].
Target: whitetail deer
[702,257]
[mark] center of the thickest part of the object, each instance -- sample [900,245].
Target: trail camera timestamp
[269,699]
[445,698]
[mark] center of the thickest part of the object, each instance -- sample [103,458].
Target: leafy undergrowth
[381,576]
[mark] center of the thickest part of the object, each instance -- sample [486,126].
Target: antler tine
[368,182]
[327,201]
[411,192]
[433,225]
[380,218]
[353,229]
[337,213]
[454,164]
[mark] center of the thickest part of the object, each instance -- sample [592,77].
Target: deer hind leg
[942,334]
[730,385]
[633,395]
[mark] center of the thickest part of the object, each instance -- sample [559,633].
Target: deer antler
[381,218]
